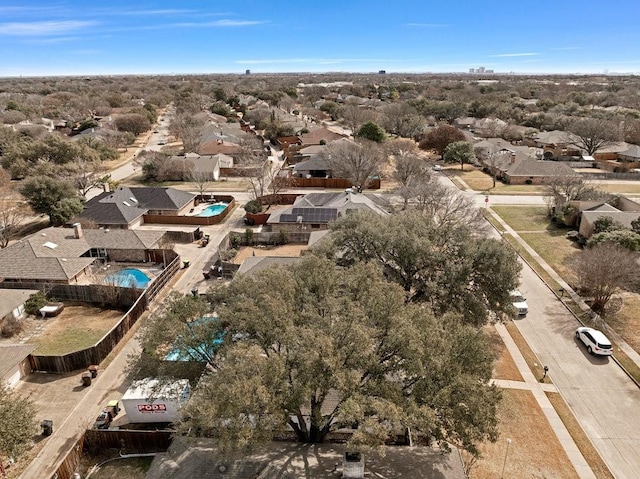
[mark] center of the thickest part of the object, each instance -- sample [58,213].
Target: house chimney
[77,230]
[513,158]
[105,187]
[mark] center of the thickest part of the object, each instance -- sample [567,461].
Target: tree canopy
[441,264]
[53,197]
[17,423]
[459,152]
[371,131]
[440,137]
[315,347]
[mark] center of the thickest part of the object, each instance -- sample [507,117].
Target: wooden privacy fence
[372,184]
[128,439]
[99,351]
[192,220]
[71,461]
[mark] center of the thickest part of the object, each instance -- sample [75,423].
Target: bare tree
[355,116]
[563,189]
[592,134]
[258,178]
[14,211]
[252,151]
[447,206]
[410,169]
[201,179]
[354,161]
[604,270]
[190,129]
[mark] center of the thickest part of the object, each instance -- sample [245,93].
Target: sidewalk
[620,343]
[538,389]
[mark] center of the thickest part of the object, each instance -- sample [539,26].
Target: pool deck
[100,274]
[201,207]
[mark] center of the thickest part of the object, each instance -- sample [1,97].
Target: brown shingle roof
[11,355]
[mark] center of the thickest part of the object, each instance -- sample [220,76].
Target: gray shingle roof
[314,163]
[533,167]
[30,258]
[330,205]
[10,299]
[125,205]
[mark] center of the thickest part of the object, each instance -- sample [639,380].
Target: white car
[437,167]
[595,341]
[519,302]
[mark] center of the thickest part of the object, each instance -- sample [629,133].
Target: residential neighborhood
[313,275]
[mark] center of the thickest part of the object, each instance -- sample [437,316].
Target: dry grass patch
[480,181]
[626,322]
[525,218]
[505,367]
[288,250]
[77,327]
[578,435]
[534,450]
[621,188]
[530,358]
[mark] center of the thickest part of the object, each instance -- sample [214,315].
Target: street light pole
[506,452]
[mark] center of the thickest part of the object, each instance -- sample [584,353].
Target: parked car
[595,341]
[519,302]
[437,167]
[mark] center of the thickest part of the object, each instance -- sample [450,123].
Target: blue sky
[208,36]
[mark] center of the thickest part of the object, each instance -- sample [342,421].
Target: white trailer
[150,400]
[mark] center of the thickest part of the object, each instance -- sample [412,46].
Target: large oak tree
[315,347]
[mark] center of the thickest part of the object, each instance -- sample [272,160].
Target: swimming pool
[199,352]
[214,209]
[128,278]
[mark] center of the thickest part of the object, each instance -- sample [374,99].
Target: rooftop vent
[50,245]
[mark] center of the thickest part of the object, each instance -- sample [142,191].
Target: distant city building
[382,72]
[481,70]
[247,72]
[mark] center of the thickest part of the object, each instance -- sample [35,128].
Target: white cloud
[504,55]
[43,28]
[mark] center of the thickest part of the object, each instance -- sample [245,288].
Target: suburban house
[320,136]
[631,154]
[12,303]
[316,166]
[556,143]
[316,210]
[515,165]
[71,255]
[194,167]
[14,362]
[125,207]
[215,147]
[625,211]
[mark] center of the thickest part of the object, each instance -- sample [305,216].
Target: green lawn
[555,249]
[525,218]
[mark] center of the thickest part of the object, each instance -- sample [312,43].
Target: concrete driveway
[605,401]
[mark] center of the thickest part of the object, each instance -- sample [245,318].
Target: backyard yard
[77,327]
[477,180]
[288,250]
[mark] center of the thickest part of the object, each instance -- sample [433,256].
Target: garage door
[13,377]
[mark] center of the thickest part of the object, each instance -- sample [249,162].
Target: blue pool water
[214,209]
[199,352]
[128,278]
